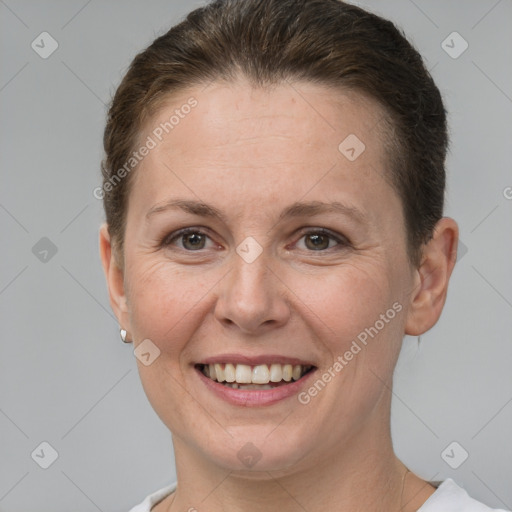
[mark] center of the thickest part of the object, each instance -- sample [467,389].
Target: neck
[362,474]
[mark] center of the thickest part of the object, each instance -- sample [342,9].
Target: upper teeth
[260,374]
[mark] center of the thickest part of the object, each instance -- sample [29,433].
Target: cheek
[165,305]
[348,299]
[165,302]
[358,315]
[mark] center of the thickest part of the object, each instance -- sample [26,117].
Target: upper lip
[255,360]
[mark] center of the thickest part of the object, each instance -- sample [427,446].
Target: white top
[448,497]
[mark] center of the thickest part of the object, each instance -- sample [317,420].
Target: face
[254,239]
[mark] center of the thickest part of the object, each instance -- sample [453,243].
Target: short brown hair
[327,42]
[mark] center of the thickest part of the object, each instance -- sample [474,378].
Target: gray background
[66,378]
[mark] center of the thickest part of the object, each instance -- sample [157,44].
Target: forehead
[283,139]
[300,112]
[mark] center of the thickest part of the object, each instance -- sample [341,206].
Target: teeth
[287,372]
[243,376]
[229,373]
[260,374]
[234,385]
[219,372]
[276,373]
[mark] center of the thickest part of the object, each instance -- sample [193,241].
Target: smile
[258,377]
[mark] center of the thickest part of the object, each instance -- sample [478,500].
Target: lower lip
[254,397]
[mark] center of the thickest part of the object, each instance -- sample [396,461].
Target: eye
[322,239]
[191,239]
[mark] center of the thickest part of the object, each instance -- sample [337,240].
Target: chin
[252,452]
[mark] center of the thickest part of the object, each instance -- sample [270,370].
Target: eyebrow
[192,207]
[297,209]
[312,208]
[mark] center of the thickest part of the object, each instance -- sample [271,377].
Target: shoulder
[449,497]
[151,500]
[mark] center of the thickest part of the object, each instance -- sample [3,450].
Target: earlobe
[432,278]
[114,276]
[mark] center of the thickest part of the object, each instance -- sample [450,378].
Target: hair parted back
[268,42]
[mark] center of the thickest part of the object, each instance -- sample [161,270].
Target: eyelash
[342,242]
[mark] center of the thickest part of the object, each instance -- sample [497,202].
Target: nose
[251,297]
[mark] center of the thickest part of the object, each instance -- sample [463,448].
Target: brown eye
[193,241]
[320,240]
[317,242]
[188,239]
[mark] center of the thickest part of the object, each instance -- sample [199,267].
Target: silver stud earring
[122,333]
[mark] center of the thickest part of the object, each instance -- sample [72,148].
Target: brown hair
[326,42]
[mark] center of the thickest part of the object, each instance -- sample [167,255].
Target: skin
[251,153]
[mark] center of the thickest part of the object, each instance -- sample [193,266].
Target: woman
[274,183]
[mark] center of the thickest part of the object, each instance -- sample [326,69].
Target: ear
[432,277]
[115,279]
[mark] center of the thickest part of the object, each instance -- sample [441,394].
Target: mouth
[254,377]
